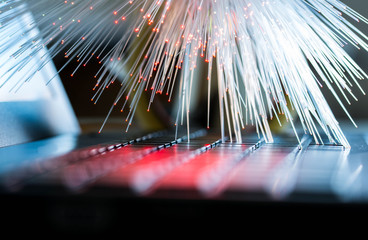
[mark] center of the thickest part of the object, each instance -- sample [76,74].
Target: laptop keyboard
[158,165]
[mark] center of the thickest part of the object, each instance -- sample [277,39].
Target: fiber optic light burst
[266,54]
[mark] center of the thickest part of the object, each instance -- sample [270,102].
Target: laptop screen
[30,108]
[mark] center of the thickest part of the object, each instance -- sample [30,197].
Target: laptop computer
[52,176]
